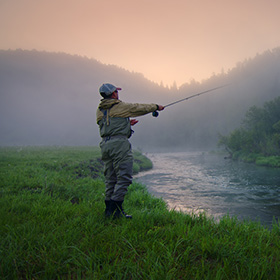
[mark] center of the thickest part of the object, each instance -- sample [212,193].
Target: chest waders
[118,161]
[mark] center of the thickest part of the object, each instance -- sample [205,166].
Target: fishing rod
[156,113]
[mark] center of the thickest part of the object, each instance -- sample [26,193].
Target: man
[113,118]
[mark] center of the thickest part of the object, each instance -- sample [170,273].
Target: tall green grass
[52,227]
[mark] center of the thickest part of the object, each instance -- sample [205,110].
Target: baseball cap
[108,89]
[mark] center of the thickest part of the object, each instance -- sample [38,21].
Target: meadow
[52,226]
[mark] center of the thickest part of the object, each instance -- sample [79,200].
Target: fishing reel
[155,114]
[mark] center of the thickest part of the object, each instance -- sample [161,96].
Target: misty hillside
[51,99]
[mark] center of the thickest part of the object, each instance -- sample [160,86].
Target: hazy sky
[166,40]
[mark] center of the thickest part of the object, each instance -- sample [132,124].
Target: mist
[51,99]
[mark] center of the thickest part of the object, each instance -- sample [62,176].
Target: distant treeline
[51,99]
[259,133]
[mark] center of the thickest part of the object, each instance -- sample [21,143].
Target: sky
[166,40]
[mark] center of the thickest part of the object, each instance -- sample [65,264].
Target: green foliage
[276,127]
[142,162]
[259,133]
[54,170]
[272,161]
[47,234]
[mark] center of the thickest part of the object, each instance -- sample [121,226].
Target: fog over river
[198,181]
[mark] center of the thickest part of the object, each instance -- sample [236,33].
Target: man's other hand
[133,122]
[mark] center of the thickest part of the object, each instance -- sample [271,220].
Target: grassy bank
[258,159]
[52,227]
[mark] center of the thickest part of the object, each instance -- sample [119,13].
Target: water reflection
[195,182]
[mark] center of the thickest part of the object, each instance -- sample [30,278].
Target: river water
[202,182]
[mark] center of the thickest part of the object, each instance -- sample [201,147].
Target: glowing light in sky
[166,40]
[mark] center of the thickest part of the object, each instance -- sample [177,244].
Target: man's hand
[160,107]
[133,122]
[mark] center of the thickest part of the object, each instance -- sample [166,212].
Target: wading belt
[107,138]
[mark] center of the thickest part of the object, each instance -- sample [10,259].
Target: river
[202,182]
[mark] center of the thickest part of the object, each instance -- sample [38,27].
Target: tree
[259,133]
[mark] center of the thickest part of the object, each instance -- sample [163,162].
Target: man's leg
[110,182]
[124,179]
[110,178]
[124,175]
[123,164]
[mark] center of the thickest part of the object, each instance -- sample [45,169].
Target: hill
[51,99]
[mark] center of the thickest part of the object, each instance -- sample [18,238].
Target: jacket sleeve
[126,110]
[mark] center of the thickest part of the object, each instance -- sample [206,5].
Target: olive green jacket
[120,109]
[113,115]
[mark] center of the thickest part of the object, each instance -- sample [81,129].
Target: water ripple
[195,182]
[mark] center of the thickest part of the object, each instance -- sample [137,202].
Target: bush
[258,135]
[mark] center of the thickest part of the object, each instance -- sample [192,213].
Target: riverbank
[52,226]
[258,159]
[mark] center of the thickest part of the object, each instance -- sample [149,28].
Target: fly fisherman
[113,118]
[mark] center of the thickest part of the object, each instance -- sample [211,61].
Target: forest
[51,99]
[259,134]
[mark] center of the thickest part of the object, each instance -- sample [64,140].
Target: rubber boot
[108,209]
[117,210]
